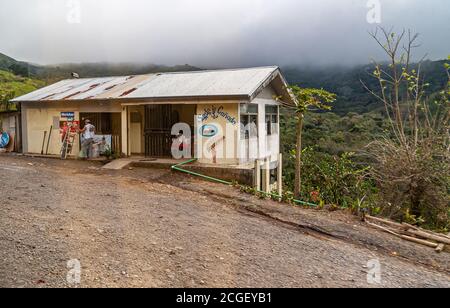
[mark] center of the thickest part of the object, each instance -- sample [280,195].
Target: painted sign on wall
[215,112]
[68,115]
[209,130]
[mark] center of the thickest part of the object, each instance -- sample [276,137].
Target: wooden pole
[413,230]
[49,138]
[385,221]
[43,142]
[430,236]
[408,238]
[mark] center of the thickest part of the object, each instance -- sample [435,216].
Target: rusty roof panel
[122,85]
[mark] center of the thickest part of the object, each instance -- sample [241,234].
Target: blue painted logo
[209,130]
[4,140]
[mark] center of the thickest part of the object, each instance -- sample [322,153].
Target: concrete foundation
[242,175]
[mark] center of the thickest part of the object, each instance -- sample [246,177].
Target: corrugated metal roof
[220,83]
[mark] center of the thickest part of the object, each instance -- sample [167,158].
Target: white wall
[266,146]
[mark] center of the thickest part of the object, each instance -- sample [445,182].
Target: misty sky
[213,33]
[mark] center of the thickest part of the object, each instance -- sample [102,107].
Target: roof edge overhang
[280,84]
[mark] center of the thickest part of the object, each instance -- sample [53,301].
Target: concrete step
[118,164]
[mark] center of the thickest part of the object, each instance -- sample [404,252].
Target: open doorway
[108,125]
[137,114]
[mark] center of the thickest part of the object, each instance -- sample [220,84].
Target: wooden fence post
[280,176]
[257,175]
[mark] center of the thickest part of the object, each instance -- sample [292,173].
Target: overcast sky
[213,33]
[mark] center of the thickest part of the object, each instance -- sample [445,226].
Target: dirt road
[151,228]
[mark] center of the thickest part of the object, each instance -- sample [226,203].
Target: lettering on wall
[215,112]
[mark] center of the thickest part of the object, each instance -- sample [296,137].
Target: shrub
[333,179]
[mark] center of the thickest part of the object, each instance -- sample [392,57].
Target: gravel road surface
[141,228]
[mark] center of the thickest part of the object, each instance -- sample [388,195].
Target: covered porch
[147,128]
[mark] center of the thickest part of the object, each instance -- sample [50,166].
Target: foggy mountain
[344,81]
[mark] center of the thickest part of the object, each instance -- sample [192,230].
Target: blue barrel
[4,140]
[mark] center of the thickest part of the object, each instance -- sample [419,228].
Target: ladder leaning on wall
[68,142]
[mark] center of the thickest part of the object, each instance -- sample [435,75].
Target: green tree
[306,99]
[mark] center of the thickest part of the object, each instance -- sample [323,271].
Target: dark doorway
[159,120]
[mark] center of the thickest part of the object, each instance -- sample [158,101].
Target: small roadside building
[231,116]
[10,124]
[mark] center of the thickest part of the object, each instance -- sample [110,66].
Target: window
[272,120]
[249,109]
[249,121]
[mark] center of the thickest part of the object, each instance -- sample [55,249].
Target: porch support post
[257,175]
[267,175]
[124,132]
[280,176]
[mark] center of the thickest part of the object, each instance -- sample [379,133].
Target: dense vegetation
[12,86]
[16,67]
[342,149]
[334,160]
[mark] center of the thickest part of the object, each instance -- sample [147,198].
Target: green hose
[178,168]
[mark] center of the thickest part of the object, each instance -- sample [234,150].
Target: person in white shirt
[88,134]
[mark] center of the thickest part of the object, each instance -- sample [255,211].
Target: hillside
[54,73]
[17,67]
[12,86]
[6,62]
[346,83]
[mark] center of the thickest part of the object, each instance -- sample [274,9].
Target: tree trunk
[298,159]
